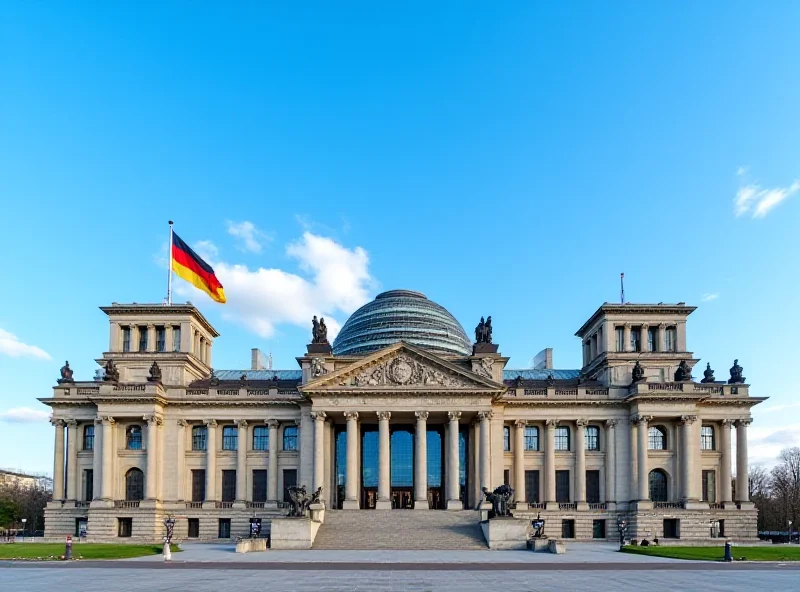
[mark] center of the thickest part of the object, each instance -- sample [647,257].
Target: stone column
[181,460]
[611,455]
[151,476]
[687,458]
[168,338]
[58,460]
[550,462]
[211,461]
[319,448]
[643,493]
[485,476]
[476,463]
[453,472]
[241,462]
[97,461]
[626,337]
[580,464]
[519,463]
[351,501]
[108,458]
[272,470]
[72,473]
[151,338]
[421,462]
[384,501]
[662,337]
[725,466]
[742,478]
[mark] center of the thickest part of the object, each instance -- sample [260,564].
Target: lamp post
[790,532]
[24,520]
[169,524]
[621,526]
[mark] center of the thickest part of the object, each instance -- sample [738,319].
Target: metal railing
[601,507]
[194,505]
[257,505]
[669,505]
[568,506]
[224,505]
[126,504]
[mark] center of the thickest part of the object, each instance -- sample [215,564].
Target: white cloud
[338,281]
[249,237]
[24,415]
[764,443]
[11,345]
[756,201]
[709,296]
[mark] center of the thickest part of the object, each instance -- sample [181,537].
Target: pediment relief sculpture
[404,370]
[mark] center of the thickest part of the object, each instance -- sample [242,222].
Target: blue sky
[509,160]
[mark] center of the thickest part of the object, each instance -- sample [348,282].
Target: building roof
[541,374]
[402,315]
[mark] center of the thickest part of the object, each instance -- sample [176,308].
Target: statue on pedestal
[319,330]
[637,374]
[301,500]
[66,374]
[736,374]
[487,330]
[683,373]
[213,379]
[112,373]
[708,374]
[500,499]
[155,373]
[479,331]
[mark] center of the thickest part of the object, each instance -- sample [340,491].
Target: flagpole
[169,270]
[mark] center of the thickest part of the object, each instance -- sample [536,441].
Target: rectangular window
[506,438]
[228,486]
[161,339]
[199,434]
[598,529]
[562,487]
[230,438]
[259,485]
[636,339]
[671,339]
[198,485]
[194,528]
[290,438]
[532,487]
[176,338]
[142,339]
[562,438]
[567,529]
[707,438]
[592,487]
[88,437]
[652,339]
[531,438]
[591,438]
[224,528]
[620,339]
[124,527]
[88,484]
[709,487]
[126,339]
[261,438]
[507,477]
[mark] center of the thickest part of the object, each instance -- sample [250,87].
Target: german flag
[189,266]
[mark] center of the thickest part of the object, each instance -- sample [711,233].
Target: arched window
[562,438]
[707,438]
[657,438]
[134,485]
[591,438]
[531,438]
[658,486]
[261,438]
[199,435]
[133,437]
[290,438]
[230,438]
[88,437]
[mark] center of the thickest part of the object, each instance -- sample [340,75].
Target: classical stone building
[401,412]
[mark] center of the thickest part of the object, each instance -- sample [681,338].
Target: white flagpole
[169,276]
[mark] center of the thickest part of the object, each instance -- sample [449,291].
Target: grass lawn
[79,550]
[765,553]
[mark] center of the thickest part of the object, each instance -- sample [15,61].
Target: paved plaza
[210,567]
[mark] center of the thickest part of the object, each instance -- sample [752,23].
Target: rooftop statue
[112,374]
[479,331]
[683,373]
[66,374]
[736,374]
[319,331]
[155,373]
[487,330]
[637,374]
[213,379]
[708,374]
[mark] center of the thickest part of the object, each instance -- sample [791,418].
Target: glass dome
[402,315]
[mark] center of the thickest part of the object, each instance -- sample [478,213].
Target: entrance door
[401,451]
[402,498]
[289,480]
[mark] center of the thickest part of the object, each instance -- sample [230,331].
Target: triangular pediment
[402,366]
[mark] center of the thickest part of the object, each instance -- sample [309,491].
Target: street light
[24,520]
[621,526]
[790,532]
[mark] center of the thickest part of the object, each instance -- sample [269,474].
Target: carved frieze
[404,370]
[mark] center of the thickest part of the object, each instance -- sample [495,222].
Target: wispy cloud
[336,279]
[24,415]
[11,345]
[248,237]
[766,442]
[709,296]
[756,201]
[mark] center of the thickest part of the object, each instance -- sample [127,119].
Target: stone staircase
[400,529]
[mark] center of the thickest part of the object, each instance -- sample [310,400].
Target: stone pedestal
[485,348]
[455,505]
[383,505]
[506,533]
[251,545]
[320,348]
[350,505]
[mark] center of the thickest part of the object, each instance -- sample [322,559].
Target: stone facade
[581,448]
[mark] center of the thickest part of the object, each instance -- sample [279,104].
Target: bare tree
[786,484]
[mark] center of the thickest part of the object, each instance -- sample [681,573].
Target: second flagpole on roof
[169,268]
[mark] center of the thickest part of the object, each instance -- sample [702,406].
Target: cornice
[608,308]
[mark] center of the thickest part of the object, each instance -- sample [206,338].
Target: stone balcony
[715,389]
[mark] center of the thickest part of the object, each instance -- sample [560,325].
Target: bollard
[728,554]
[167,551]
[68,550]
